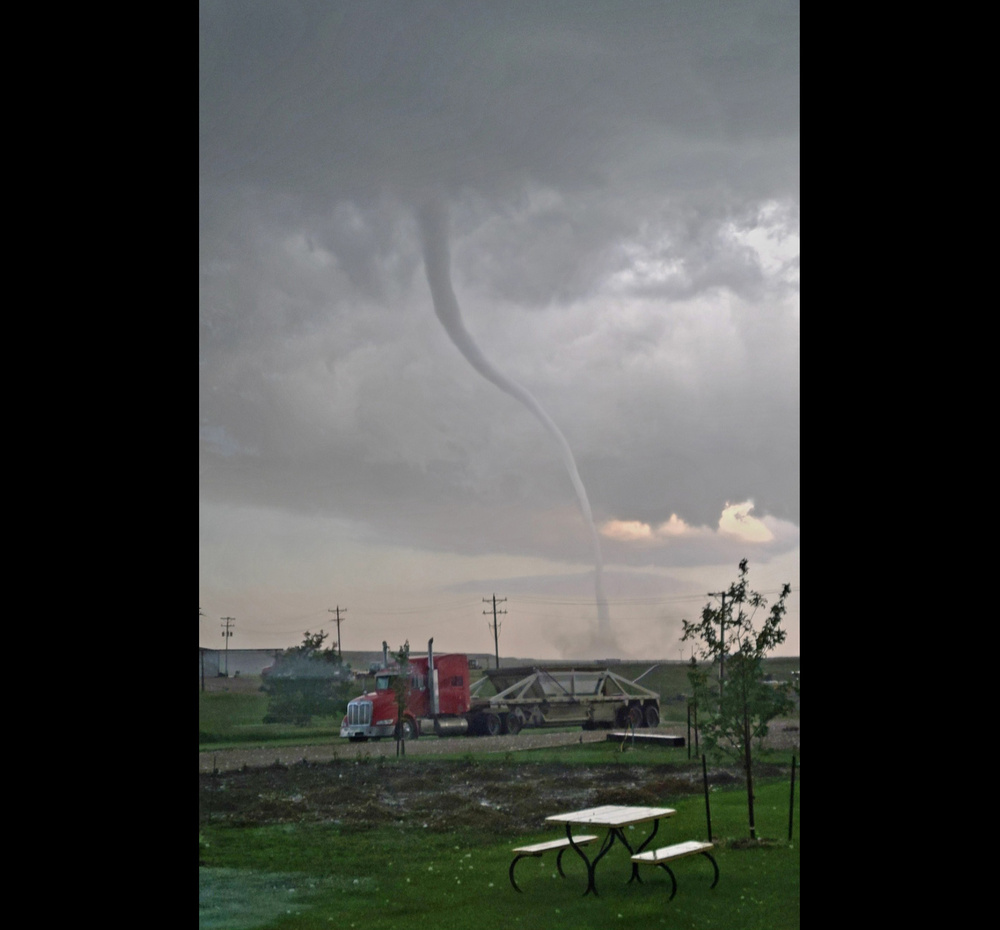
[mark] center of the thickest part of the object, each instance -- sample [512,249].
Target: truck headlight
[384,723]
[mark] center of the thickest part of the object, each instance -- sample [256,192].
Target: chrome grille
[359,713]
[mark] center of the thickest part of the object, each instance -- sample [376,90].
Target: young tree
[744,705]
[401,689]
[698,678]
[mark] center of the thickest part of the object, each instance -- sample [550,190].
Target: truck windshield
[383,682]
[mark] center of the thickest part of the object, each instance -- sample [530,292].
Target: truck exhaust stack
[432,680]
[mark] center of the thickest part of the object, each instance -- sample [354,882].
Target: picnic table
[615,818]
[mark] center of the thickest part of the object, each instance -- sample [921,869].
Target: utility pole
[722,638]
[227,633]
[201,652]
[496,628]
[336,610]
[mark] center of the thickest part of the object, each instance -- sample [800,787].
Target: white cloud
[627,530]
[736,521]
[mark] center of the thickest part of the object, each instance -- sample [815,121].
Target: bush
[307,682]
[297,701]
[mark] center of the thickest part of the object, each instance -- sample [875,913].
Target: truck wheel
[652,716]
[621,717]
[635,716]
[514,724]
[492,725]
[408,730]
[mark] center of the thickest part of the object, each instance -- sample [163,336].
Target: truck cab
[433,701]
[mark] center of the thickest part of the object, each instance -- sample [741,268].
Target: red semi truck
[442,700]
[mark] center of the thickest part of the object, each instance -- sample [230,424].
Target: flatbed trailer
[587,695]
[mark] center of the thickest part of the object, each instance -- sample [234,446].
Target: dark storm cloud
[349,99]
[622,179]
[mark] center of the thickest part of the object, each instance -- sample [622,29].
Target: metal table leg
[590,865]
[643,845]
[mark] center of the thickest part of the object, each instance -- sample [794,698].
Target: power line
[340,649]
[651,599]
[722,639]
[227,633]
[496,628]
[201,652]
[640,609]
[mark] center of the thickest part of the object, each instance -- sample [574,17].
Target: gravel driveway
[784,734]
[229,759]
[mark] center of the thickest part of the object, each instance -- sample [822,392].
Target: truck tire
[408,730]
[652,716]
[621,717]
[514,724]
[492,725]
[635,716]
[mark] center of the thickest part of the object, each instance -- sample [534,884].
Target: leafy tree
[401,690]
[306,681]
[312,648]
[745,704]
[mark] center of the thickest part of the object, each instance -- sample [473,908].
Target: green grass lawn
[298,876]
[228,719]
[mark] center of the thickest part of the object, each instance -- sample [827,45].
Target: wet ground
[361,784]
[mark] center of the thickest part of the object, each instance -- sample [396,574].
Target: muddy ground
[360,785]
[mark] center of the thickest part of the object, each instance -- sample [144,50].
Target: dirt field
[360,785]
[501,797]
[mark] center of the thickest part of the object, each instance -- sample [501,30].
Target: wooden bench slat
[665,853]
[536,849]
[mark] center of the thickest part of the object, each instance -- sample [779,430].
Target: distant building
[238,661]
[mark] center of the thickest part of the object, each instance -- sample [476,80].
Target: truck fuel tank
[445,726]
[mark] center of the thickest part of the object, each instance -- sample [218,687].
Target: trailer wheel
[621,717]
[635,716]
[492,725]
[514,724]
[652,716]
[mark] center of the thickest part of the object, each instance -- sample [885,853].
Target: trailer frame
[590,695]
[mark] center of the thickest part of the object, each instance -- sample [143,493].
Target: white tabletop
[613,815]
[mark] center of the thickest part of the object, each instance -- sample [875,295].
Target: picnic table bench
[539,849]
[666,854]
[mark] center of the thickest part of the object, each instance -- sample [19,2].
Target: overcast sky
[496,299]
